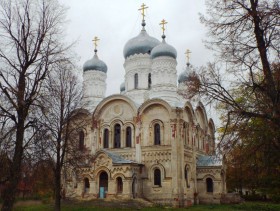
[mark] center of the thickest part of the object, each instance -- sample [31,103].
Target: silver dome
[183,77]
[143,43]
[188,74]
[95,64]
[164,49]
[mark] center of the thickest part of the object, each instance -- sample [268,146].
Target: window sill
[157,186]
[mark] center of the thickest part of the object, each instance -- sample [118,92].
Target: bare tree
[61,123]
[244,79]
[30,40]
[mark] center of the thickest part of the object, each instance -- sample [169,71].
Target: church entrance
[103,184]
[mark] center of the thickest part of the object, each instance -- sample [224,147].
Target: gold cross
[163,22]
[95,40]
[188,52]
[143,7]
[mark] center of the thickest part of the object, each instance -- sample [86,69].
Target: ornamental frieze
[159,156]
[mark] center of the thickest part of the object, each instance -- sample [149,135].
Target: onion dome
[187,75]
[122,87]
[141,44]
[95,64]
[183,77]
[164,49]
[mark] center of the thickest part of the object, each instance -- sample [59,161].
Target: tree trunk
[57,184]
[57,191]
[11,189]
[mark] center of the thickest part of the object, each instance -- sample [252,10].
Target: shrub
[275,198]
[254,197]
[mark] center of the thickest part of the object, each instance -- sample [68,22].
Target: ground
[115,205]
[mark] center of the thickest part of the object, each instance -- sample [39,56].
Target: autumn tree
[253,161]
[30,42]
[243,81]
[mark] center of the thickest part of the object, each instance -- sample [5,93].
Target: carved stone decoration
[117,110]
[102,161]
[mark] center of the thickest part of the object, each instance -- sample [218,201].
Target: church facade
[147,141]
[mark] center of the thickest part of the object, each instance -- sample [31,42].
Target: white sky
[117,21]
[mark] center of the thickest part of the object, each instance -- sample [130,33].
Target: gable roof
[117,159]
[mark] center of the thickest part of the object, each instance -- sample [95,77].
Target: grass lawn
[131,205]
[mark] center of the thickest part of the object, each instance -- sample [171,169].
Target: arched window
[119,185]
[157,177]
[86,185]
[187,176]
[117,136]
[128,137]
[203,143]
[209,185]
[186,132]
[136,81]
[81,140]
[157,134]
[149,80]
[106,138]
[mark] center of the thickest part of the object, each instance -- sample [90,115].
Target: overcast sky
[117,21]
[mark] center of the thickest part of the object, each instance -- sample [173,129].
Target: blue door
[102,192]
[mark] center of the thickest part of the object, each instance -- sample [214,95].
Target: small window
[119,185]
[106,138]
[86,185]
[81,140]
[157,177]
[209,185]
[149,81]
[128,137]
[157,134]
[117,136]
[136,81]
[187,176]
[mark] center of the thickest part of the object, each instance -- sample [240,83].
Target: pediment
[102,160]
[107,158]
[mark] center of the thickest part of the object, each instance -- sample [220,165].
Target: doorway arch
[103,184]
[86,185]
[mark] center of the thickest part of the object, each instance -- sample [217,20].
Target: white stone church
[148,141]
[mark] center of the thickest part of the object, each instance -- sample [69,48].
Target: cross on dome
[163,23]
[142,9]
[95,40]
